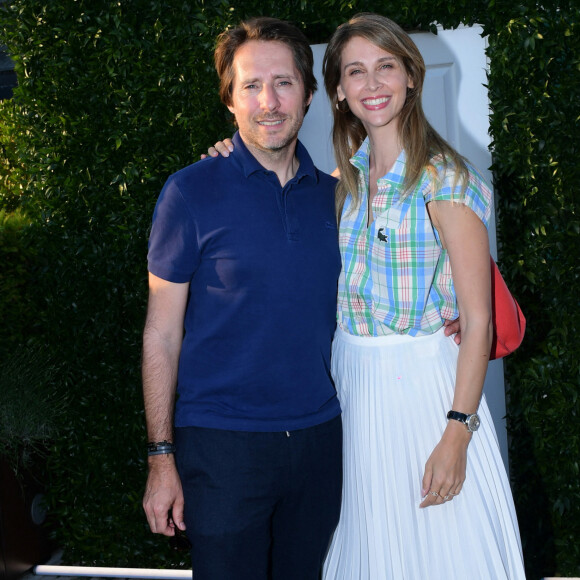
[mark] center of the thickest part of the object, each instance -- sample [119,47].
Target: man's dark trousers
[260,506]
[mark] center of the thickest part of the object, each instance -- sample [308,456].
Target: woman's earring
[342,106]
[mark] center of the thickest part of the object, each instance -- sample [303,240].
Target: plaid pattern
[395,276]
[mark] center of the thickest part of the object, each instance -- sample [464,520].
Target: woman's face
[374,84]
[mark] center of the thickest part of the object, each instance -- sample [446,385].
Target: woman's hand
[445,468]
[223,148]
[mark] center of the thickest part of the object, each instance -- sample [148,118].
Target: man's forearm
[159,372]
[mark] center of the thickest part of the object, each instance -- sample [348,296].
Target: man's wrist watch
[472,421]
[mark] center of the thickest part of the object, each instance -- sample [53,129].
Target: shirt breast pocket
[391,218]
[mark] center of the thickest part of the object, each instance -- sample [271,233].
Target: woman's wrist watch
[472,421]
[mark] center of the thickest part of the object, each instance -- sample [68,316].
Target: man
[243,267]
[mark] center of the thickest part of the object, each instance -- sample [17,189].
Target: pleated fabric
[395,392]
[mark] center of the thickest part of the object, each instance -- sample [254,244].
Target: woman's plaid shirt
[395,276]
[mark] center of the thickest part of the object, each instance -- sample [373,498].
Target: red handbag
[509,323]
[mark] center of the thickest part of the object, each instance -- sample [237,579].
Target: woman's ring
[448,497]
[434,493]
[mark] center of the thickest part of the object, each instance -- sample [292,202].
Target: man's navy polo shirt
[263,263]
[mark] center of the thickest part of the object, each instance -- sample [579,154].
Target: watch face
[473,422]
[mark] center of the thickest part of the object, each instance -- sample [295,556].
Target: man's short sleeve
[173,248]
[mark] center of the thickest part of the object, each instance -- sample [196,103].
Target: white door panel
[456,103]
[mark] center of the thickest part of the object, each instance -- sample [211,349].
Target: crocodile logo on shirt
[382,236]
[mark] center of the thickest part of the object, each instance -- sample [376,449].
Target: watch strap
[461,417]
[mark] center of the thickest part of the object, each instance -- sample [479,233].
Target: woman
[425,493]
[413,237]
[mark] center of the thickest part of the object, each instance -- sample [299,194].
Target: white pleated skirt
[395,392]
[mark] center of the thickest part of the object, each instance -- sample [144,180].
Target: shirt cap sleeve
[442,187]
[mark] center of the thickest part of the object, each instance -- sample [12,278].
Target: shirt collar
[361,160]
[250,164]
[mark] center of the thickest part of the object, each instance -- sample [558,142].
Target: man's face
[267,96]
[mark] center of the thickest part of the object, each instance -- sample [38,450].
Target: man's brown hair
[268,29]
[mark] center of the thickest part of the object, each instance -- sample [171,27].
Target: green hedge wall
[114,96]
[535,125]
[18,259]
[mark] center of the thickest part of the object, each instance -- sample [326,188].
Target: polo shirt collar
[250,164]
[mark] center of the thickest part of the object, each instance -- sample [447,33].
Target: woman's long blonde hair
[420,141]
